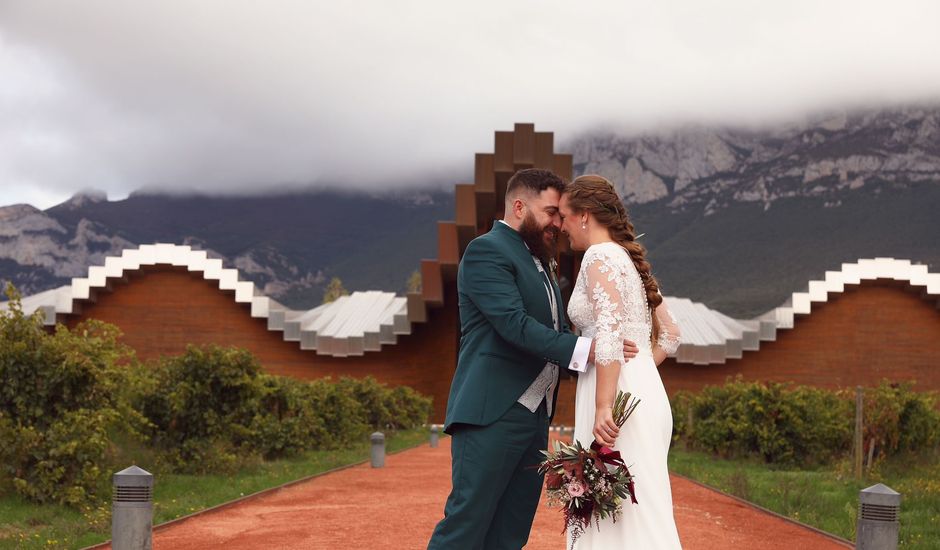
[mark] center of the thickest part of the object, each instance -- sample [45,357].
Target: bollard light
[378,449]
[878,518]
[132,510]
[435,436]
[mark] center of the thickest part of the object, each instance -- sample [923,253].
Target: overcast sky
[245,96]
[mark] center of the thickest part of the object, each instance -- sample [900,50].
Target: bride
[617,298]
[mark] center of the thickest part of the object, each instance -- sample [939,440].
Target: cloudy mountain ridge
[711,168]
[737,219]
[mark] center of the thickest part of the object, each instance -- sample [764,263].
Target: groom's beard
[542,241]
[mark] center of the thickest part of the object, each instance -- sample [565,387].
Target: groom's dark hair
[533,180]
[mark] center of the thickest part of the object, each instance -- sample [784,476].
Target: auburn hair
[596,195]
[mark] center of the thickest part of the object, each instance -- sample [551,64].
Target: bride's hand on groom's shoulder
[605,429]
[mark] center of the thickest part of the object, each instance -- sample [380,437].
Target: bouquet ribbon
[607,455]
[612,457]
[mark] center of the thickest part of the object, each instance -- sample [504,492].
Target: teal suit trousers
[496,484]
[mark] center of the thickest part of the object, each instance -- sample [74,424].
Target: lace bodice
[609,305]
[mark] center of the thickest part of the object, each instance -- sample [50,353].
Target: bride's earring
[583,225]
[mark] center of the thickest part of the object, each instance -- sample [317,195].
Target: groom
[513,338]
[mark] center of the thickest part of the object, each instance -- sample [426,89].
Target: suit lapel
[529,275]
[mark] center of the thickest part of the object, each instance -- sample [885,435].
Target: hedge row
[75,403]
[210,405]
[787,424]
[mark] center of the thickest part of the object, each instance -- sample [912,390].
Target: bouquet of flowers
[590,484]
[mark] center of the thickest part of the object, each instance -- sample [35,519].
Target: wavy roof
[352,325]
[367,321]
[709,336]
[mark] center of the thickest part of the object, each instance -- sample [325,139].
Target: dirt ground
[397,507]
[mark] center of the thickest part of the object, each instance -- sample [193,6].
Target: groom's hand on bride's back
[629,350]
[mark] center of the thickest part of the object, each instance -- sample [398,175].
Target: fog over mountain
[231,97]
[735,218]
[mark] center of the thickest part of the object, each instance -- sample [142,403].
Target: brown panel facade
[545,150]
[431,283]
[466,204]
[483,173]
[523,149]
[503,151]
[448,249]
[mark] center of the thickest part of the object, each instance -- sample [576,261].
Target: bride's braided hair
[596,195]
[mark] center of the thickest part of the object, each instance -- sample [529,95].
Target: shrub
[214,399]
[803,425]
[58,399]
[411,409]
[898,419]
[206,393]
[297,415]
[289,420]
[385,408]
[74,401]
[64,462]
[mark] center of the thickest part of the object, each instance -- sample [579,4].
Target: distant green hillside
[744,261]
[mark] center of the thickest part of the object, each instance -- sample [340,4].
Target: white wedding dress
[609,305]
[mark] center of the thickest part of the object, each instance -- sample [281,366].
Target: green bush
[208,393]
[74,403]
[411,408]
[899,419]
[294,417]
[58,399]
[787,424]
[388,409]
[61,463]
[214,400]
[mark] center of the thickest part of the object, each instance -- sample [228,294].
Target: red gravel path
[396,507]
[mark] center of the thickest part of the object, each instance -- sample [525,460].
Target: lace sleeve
[669,336]
[608,310]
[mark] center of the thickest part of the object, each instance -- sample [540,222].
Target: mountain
[739,219]
[712,168]
[735,218]
[289,245]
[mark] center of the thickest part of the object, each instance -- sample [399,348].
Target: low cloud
[222,96]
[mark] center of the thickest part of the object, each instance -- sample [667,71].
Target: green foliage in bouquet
[624,406]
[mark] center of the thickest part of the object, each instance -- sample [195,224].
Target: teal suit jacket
[506,329]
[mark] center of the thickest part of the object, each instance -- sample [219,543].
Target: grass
[826,497]
[25,525]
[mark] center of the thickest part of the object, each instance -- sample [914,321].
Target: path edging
[827,534]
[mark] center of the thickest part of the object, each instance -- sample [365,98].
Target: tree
[414,282]
[334,290]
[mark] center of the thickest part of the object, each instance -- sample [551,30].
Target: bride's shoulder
[605,251]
